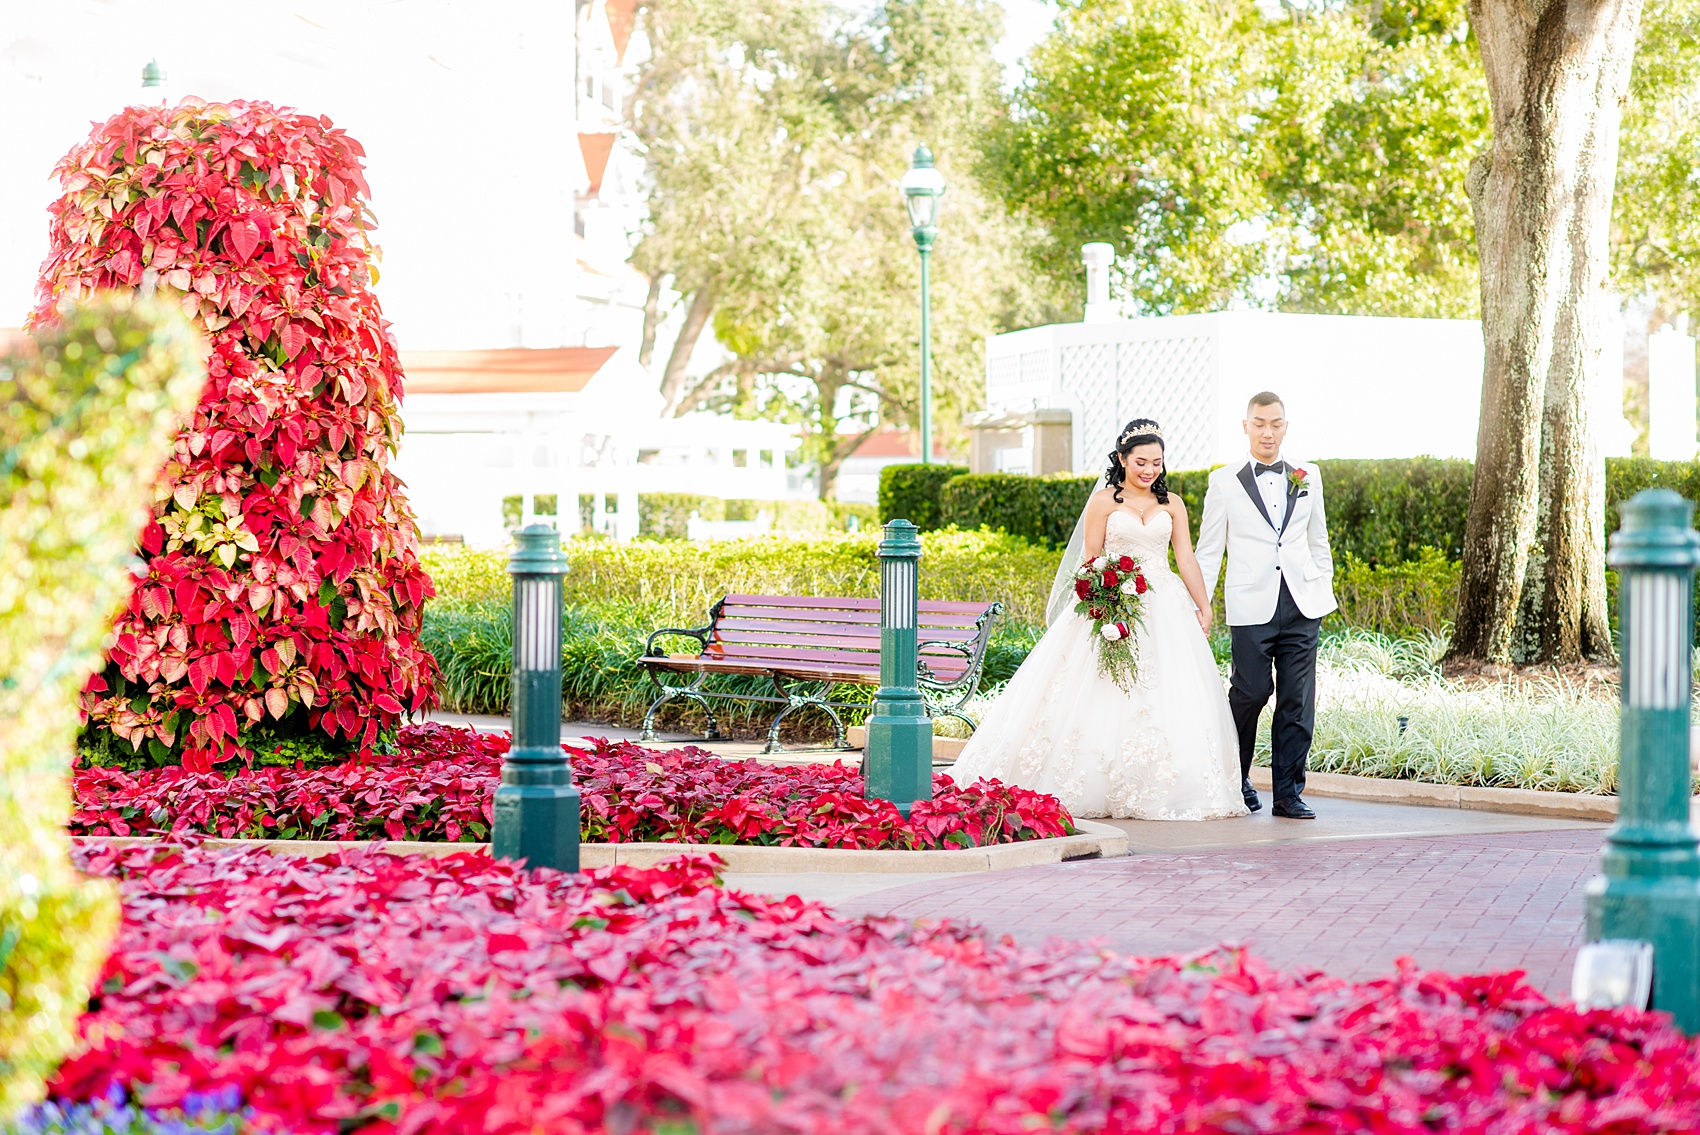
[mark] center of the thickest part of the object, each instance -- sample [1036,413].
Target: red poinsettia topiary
[282,585]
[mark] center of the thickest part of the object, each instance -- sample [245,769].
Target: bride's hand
[1205,619]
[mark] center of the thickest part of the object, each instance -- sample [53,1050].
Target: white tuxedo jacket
[1263,550]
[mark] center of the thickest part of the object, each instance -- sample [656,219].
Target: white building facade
[553,427]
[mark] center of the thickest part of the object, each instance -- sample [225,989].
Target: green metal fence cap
[901,539]
[537,551]
[1658,531]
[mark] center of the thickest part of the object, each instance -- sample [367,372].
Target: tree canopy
[775,134]
[1315,161]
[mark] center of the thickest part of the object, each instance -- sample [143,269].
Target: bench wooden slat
[869,630]
[927,606]
[846,641]
[843,618]
[812,672]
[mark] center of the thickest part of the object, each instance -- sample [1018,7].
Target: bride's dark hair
[1140,431]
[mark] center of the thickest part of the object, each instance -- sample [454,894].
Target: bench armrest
[973,651]
[699,633]
[966,650]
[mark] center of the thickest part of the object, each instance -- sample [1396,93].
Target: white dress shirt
[1273,486]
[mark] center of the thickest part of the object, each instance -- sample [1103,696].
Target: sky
[457,103]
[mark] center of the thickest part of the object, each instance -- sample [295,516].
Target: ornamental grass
[405,995]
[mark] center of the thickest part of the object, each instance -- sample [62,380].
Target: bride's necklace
[1143,511]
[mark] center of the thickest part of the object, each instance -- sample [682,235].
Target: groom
[1266,513]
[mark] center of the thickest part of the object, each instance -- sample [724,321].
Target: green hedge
[912,492]
[1380,512]
[666,516]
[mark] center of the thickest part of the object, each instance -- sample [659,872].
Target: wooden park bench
[807,646]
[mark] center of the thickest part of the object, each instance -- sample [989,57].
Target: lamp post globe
[923,193]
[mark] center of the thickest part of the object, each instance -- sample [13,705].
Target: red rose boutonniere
[1296,480]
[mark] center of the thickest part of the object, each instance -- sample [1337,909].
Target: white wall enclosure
[1671,396]
[1354,386]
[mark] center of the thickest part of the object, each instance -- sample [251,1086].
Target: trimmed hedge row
[912,492]
[1379,512]
[666,516]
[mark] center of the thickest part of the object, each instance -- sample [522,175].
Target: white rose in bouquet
[1127,588]
[1100,564]
[1114,632]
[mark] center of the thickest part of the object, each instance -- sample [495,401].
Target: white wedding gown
[1165,751]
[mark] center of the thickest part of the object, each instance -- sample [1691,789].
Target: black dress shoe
[1249,794]
[1294,809]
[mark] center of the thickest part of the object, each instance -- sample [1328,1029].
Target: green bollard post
[537,806]
[899,758]
[1649,886]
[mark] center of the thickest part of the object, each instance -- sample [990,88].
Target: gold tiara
[1143,431]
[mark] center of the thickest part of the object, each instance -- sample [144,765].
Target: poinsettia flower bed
[381,994]
[440,783]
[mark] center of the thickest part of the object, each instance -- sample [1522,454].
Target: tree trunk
[696,318]
[651,320]
[1533,586]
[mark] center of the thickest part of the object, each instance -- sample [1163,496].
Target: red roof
[512,370]
[888,443]
[595,148]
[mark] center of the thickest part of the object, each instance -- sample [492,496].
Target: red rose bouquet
[1108,591]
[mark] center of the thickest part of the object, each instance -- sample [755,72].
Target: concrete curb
[1514,801]
[1094,841]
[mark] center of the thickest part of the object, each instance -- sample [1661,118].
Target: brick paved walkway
[1461,903]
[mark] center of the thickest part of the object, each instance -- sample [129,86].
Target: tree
[775,134]
[1378,110]
[1533,581]
[283,589]
[1309,163]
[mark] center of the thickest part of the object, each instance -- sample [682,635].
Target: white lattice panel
[1003,380]
[1089,382]
[1171,380]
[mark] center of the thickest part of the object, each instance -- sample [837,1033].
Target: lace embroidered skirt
[1165,751]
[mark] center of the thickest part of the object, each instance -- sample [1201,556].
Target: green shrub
[912,493]
[1379,512]
[1043,509]
[1387,512]
[1626,476]
[1416,597]
[666,515]
[683,582]
[805,517]
[1038,509]
[88,422]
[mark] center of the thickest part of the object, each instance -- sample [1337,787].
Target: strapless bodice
[1148,541]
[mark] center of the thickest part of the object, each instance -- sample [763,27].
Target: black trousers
[1288,643]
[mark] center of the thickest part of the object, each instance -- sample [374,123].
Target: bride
[1165,751]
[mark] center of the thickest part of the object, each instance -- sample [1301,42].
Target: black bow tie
[1259,468]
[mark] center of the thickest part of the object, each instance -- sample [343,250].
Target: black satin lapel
[1292,499]
[1250,484]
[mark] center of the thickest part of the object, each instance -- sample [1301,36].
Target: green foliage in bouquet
[85,424]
